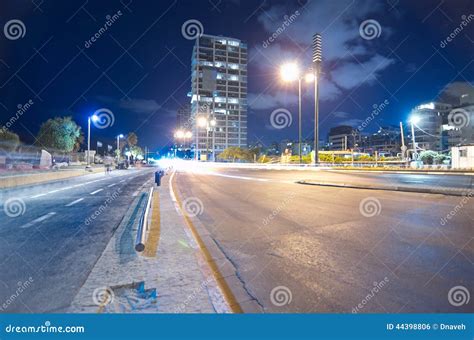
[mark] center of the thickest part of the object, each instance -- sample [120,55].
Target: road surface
[300,248]
[61,230]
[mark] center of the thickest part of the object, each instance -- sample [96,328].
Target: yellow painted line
[151,245]
[226,291]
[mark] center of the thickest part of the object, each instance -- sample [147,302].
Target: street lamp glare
[290,72]
[188,134]
[415,119]
[309,78]
[179,134]
[202,121]
[213,122]
[120,136]
[95,118]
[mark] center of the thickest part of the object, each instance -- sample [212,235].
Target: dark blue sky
[140,67]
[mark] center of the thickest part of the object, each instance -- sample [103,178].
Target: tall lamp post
[317,59]
[93,118]
[413,121]
[209,123]
[118,147]
[291,72]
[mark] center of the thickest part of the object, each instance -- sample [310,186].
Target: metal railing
[143,224]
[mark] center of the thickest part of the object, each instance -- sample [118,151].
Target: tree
[60,133]
[231,153]
[132,139]
[136,151]
[9,141]
[428,156]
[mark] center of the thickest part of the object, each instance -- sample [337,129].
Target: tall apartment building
[219,93]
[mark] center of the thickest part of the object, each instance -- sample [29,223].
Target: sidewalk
[170,276]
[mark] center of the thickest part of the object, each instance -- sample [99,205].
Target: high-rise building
[219,94]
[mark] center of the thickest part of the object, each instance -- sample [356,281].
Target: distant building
[462,157]
[293,147]
[459,125]
[219,91]
[429,129]
[386,141]
[343,137]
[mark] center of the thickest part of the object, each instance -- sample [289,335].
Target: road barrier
[143,224]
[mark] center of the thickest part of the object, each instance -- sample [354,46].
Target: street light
[118,147]
[291,72]
[94,118]
[180,134]
[414,119]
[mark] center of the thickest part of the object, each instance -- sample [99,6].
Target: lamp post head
[95,118]
[202,121]
[120,136]
[290,72]
[415,119]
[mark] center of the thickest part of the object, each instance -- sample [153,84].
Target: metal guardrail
[143,224]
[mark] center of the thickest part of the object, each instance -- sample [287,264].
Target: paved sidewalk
[170,277]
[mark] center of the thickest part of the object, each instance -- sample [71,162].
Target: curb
[410,172]
[220,279]
[13,182]
[447,191]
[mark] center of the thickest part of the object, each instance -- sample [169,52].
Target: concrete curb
[410,172]
[16,181]
[225,272]
[444,191]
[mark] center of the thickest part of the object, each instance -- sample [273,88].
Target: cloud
[140,105]
[452,92]
[351,122]
[348,59]
[266,101]
[340,114]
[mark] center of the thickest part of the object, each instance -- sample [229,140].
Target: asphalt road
[59,234]
[327,249]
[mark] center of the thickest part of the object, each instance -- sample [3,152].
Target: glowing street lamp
[290,72]
[94,118]
[414,119]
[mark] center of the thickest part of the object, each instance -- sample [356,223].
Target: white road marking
[95,192]
[39,219]
[122,181]
[35,196]
[74,202]
[111,185]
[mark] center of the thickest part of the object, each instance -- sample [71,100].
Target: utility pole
[317,58]
[299,120]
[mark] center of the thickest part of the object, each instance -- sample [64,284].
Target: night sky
[140,67]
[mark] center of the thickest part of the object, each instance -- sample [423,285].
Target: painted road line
[123,180]
[111,185]
[74,202]
[38,220]
[36,196]
[95,192]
